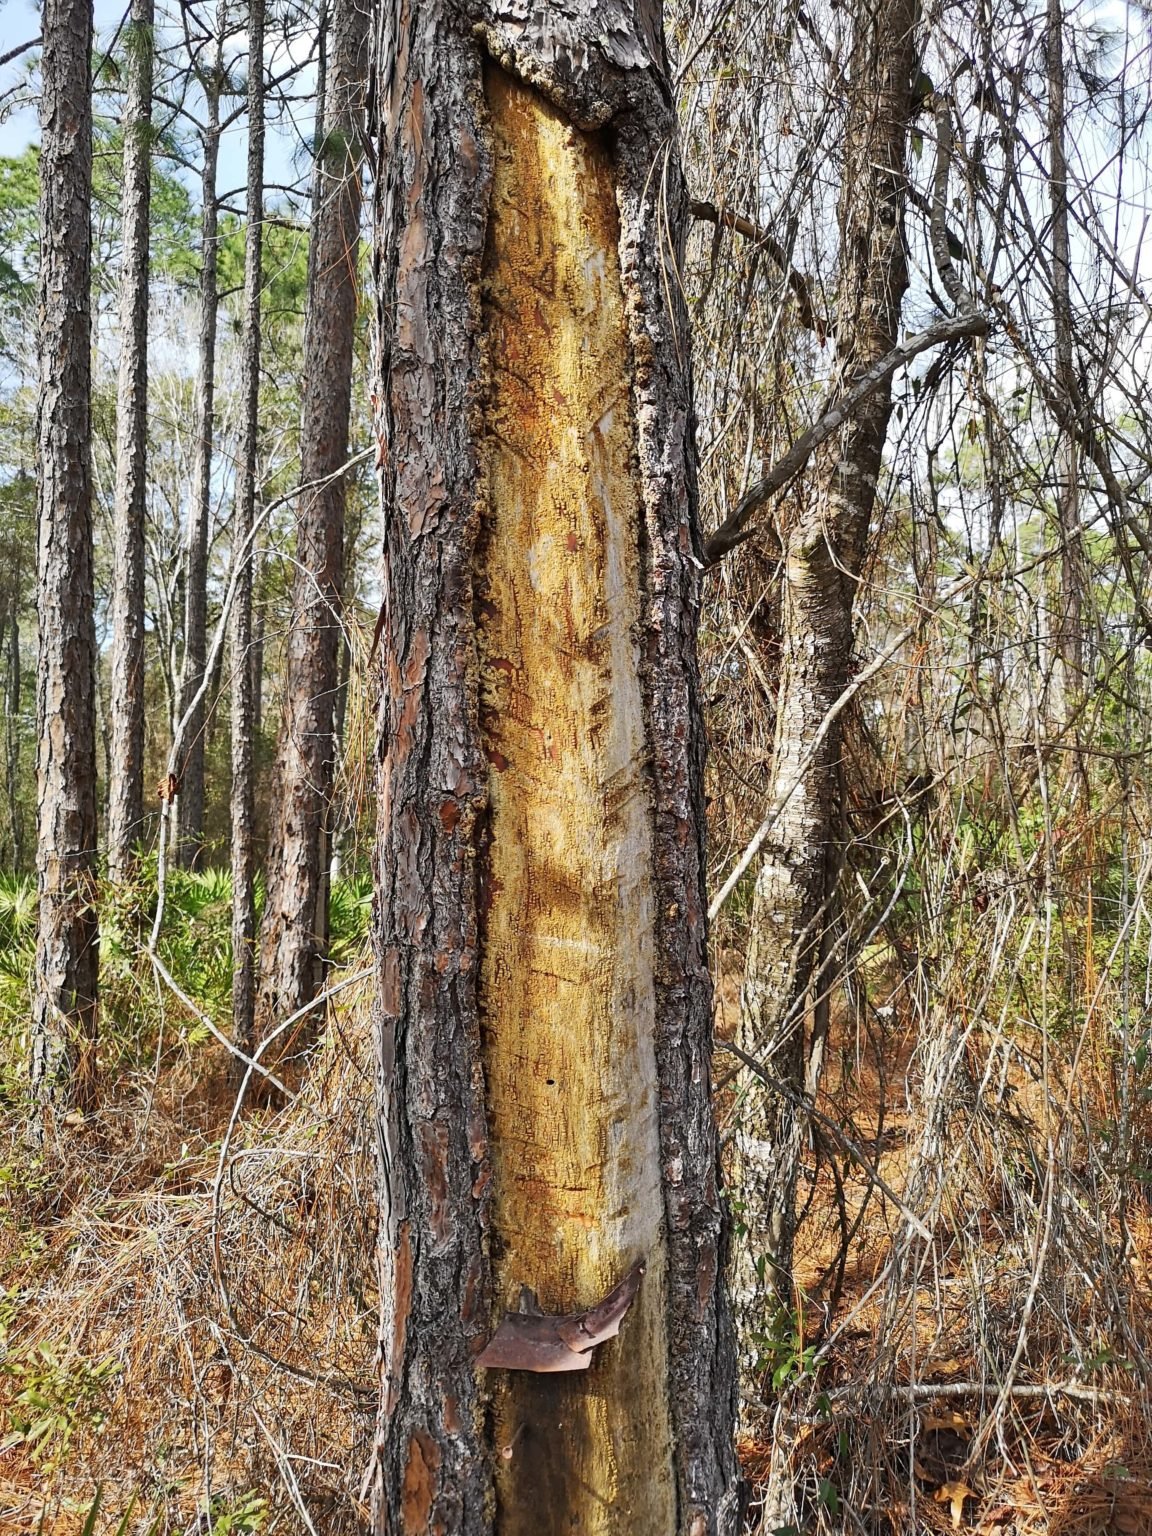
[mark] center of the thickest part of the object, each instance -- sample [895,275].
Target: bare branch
[940,239]
[726,219]
[735,529]
[14,53]
[843,1141]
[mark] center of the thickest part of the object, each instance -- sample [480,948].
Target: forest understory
[567,626]
[189,1307]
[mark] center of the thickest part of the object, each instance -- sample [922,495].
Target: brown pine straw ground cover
[235,1302]
[200,1331]
[995,1379]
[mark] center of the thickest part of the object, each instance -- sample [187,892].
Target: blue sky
[286,137]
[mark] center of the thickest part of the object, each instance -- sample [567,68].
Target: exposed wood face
[567,995]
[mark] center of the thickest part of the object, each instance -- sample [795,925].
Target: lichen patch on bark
[566,989]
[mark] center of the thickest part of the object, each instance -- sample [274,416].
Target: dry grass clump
[896,1467]
[992,1376]
[190,1312]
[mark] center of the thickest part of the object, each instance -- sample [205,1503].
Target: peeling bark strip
[64,1002]
[540,909]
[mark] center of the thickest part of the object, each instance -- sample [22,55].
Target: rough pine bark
[10,640]
[126,707]
[544,1003]
[294,930]
[823,555]
[243,797]
[67,949]
[191,710]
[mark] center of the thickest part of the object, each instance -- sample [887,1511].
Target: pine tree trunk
[294,934]
[256,652]
[243,801]
[190,796]
[12,692]
[823,553]
[126,710]
[338,829]
[544,1004]
[67,952]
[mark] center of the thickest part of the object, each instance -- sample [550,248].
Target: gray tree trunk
[544,1004]
[1069,622]
[243,800]
[126,709]
[294,932]
[190,791]
[823,552]
[67,950]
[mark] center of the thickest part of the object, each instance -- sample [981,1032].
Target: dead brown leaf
[953,1420]
[954,1494]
